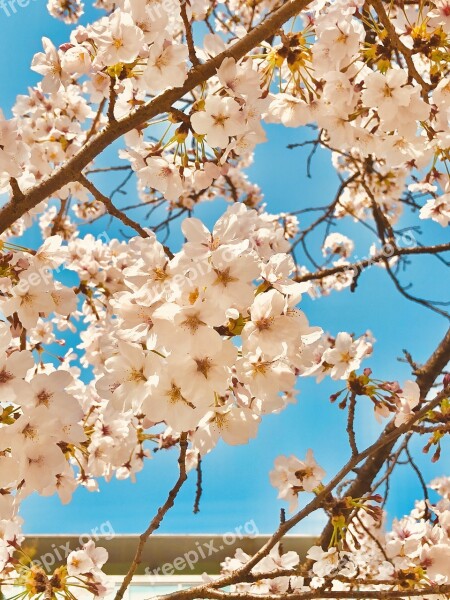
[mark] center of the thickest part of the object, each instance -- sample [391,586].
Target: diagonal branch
[70,170]
[362,264]
[400,46]
[388,438]
[157,519]
[425,378]
[111,209]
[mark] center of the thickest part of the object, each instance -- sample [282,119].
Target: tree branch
[362,595]
[351,424]
[111,209]
[369,470]
[70,171]
[189,37]
[400,46]
[367,262]
[157,519]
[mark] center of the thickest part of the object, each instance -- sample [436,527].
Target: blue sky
[235,479]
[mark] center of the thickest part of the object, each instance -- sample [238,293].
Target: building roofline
[164,554]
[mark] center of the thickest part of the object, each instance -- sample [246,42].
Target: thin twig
[96,120]
[157,519]
[111,209]
[351,424]
[367,262]
[419,476]
[199,489]
[189,36]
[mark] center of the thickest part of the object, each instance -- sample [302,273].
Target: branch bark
[157,519]
[70,171]
[356,594]
[362,264]
[362,595]
[426,376]
[111,209]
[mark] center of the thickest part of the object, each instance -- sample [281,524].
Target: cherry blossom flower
[48,63]
[79,562]
[76,59]
[166,66]
[336,243]
[330,562]
[238,80]
[13,369]
[120,40]
[275,561]
[12,151]
[345,356]
[28,300]
[292,475]
[289,110]
[437,209]
[162,176]
[235,425]
[130,375]
[409,398]
[387,91]
[220,119]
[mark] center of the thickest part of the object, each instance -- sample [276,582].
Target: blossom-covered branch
[185,341]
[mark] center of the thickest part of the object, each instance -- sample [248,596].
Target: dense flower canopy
[185,348]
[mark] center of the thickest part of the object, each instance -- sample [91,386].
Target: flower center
[204,365]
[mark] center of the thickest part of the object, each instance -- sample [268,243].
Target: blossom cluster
[82,574]
[199,345]
[207,341]
[415,553]
[326,73]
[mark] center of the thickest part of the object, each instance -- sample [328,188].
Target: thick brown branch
[434,366]
[312,595]
[71,170]
[369,470]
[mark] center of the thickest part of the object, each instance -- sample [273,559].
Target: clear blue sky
[235,479]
